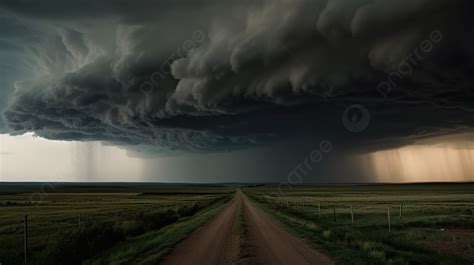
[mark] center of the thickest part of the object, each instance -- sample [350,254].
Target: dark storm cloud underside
[231,94]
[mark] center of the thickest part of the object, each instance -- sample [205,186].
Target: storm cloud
[222,75]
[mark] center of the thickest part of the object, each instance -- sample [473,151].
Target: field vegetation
[140,223]
[70,224]
[436,225]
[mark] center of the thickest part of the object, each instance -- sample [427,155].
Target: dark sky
[236,82]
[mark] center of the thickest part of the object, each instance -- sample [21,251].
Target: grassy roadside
[69,224]
[348,245]
[151,247]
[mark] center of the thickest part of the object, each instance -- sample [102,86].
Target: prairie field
[99,224]
[69,224]
[429,223]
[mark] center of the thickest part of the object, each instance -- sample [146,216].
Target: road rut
[217,242]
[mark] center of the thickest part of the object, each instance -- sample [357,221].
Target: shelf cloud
[204,76]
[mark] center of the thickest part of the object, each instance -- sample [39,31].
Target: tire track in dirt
[217,243]
[272,244]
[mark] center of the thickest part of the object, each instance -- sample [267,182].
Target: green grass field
[69,224]
[436,227]
[140,223]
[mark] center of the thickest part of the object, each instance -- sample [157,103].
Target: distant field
[139,224]
[436,226]
[98,216]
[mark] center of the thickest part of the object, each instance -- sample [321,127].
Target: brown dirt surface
[272,244]
[455,242]
[217,242]
[214,243]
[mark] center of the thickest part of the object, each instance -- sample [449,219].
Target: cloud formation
[216,75]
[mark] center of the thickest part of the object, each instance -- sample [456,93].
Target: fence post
[352,215]
[319,211]
[401,210]
[335,220]
[26,238]
[388,216]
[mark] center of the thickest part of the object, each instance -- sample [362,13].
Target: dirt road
[218,243]
[272,244]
